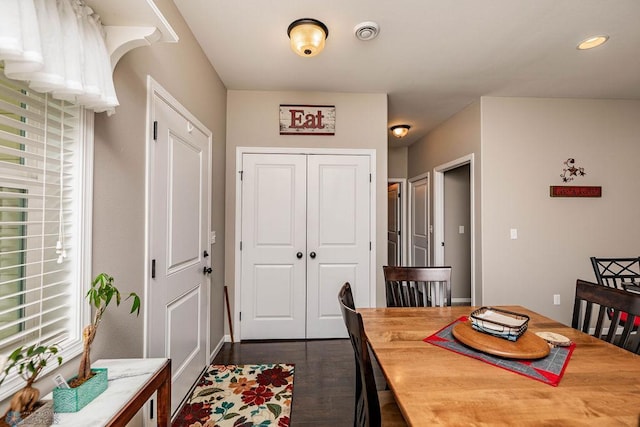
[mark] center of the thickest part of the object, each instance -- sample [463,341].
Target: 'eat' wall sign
[307,119]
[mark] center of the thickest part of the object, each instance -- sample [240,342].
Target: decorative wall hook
[570,171]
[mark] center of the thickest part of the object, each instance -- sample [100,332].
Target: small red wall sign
[307,119]
[575,191]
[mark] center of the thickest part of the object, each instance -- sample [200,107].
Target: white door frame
[237,306]
[420,177]
[438,213]
[404,237]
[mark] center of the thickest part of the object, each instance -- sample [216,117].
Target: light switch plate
[461,229]
[514,233]
[213,237]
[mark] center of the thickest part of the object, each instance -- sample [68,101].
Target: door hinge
[241,174]
[240,316]
[151,414]
[370,178]
[369,245]
[240,244]
[153,268]
[155,130]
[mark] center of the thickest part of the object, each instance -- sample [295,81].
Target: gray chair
[373,408]
[597,310]
[417,286]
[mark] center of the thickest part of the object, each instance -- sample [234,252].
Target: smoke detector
[366,30]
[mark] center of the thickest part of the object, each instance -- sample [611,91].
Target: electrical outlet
[556,299]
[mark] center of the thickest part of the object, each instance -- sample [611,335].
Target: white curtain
[58,47]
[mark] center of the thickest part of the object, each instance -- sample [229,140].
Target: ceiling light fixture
[307,36]
[592,42]
[400,131]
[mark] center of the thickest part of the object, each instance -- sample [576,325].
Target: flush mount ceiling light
[400,131]
[307,36]
[592,42]
[366,30]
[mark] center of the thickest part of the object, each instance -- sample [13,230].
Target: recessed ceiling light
[592,42]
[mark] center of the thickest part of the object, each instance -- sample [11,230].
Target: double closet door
[305,232]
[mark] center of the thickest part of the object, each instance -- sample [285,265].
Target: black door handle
[312,254]
[205,254]
[207,270]
[299,255]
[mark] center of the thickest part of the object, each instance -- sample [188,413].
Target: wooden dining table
[435,386]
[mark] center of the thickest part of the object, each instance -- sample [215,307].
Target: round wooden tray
[528,346]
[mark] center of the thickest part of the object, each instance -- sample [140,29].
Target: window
[45,172]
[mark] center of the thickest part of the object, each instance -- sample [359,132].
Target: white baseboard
[217,347]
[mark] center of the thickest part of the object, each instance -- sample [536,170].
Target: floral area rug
[240,396]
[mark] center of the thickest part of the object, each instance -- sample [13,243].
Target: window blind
[39,173]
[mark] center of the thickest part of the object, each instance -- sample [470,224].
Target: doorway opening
[454,223]
[396,222]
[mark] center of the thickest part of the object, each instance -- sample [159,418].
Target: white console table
[131,383]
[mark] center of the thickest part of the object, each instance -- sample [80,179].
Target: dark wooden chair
[604,306]
[373,408]
[417,286]
[619,273]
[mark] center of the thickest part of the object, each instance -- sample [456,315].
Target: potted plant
[89,383]
[29,363]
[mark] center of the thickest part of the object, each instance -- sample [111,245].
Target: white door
[273,246]
[305,231]
[419,236]
[394,244]
[178,294]
[338,218]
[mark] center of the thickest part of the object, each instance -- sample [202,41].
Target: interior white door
[419,194]
[273,282]
[179,288]
[394,244]
[338,219]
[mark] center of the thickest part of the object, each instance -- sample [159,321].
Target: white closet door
[338,227]
[273,234]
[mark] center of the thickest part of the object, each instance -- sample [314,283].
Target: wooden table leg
[164,397]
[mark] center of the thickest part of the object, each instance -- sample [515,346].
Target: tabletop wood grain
[434,386]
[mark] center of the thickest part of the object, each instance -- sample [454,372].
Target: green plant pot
[74,399]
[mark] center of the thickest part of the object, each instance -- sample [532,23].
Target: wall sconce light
[307,36]
[400,131]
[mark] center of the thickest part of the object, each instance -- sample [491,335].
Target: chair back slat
[416,286]
[612,304]
[367,413]
[619,273]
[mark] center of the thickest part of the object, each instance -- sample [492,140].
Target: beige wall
[397,166]
[457,137]
[119,186]
[361,123]
[524,144]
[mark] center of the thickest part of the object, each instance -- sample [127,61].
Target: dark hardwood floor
[324,379]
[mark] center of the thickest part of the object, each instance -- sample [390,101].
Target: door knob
[299,255]
[312,254]
[205,254]
[207,270]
